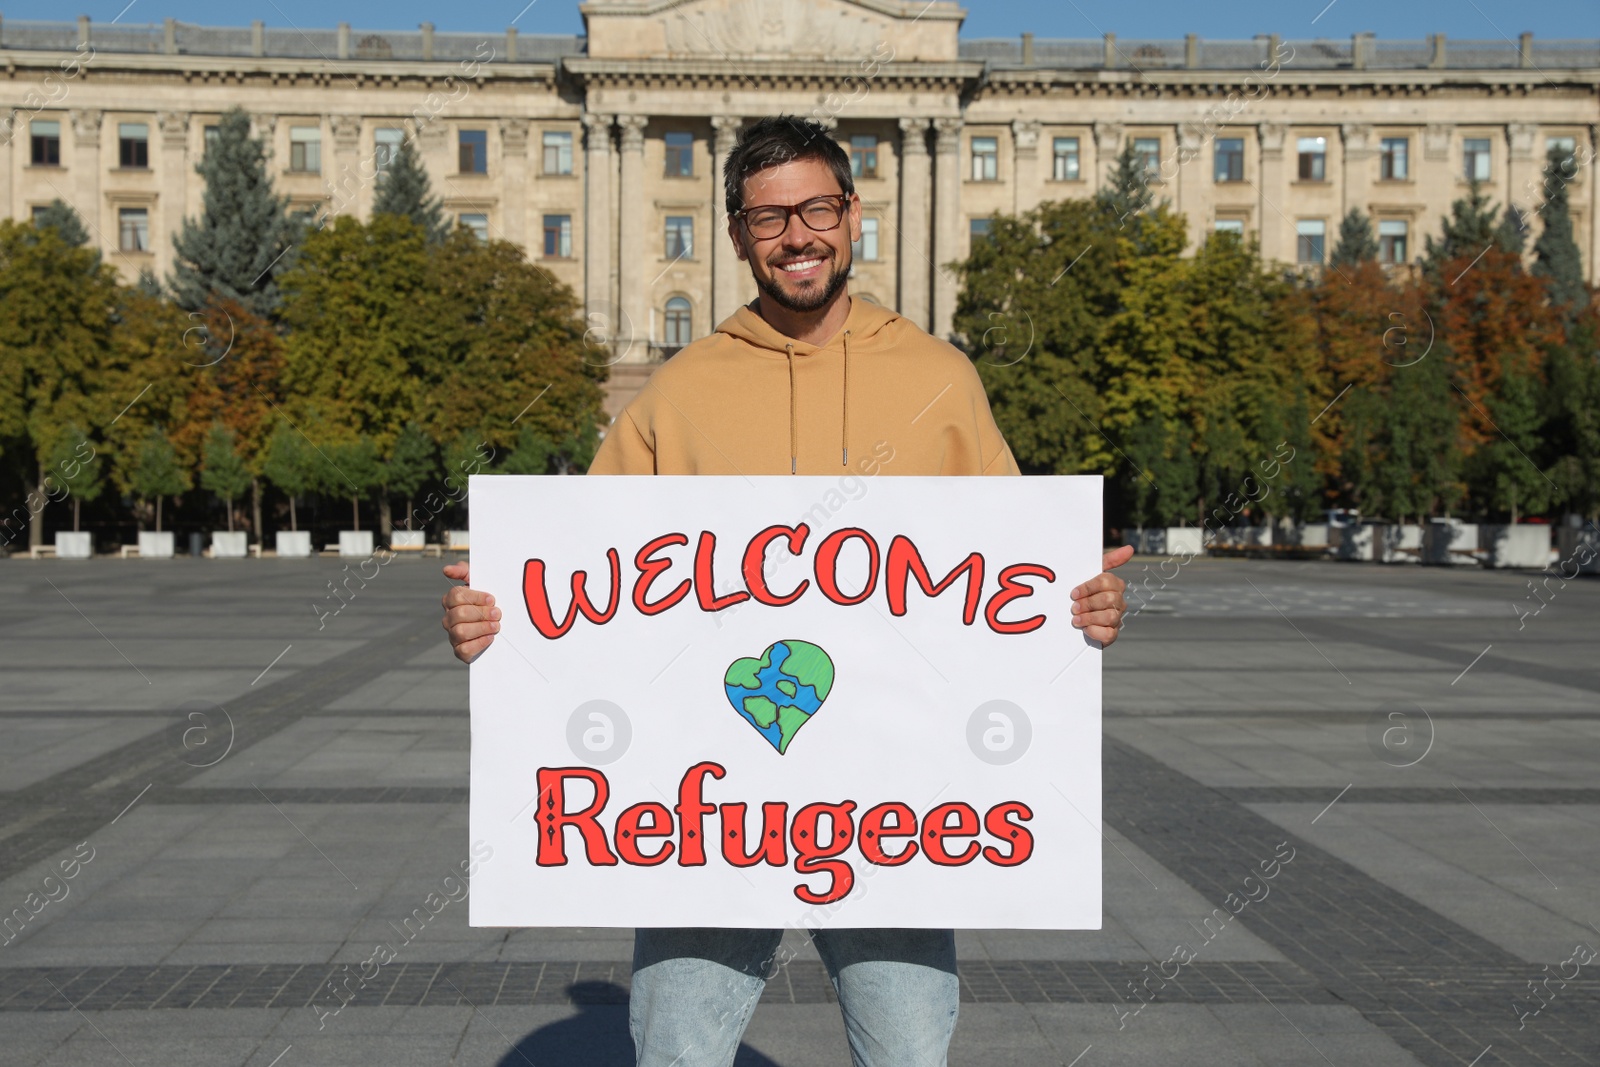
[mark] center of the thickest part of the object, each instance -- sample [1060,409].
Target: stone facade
[601,154]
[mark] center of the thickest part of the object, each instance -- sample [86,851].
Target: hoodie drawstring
[794,451]
[844,408]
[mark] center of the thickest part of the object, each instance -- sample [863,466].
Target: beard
[820,298]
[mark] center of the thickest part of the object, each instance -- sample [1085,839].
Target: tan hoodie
[748,400]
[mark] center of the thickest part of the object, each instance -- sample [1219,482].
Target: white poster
[767,702]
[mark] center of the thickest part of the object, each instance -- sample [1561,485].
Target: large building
[601,153]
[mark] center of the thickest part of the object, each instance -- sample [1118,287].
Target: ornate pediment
[734,30]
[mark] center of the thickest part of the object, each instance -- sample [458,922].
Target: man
[804,381]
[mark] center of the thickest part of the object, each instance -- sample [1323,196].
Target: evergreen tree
[1356,241]
[1467,230]
[223,471]
[1512,233]
[149,284]
[403,189]
[157,473]
[1556,251]
[240,245]
[60,216]
[1127,194]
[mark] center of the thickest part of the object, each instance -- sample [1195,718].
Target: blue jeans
[695,990]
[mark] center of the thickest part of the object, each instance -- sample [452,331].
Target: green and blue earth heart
[779,691]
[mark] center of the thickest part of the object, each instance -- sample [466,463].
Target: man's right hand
[470,617]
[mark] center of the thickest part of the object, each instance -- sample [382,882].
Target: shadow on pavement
[597,1036]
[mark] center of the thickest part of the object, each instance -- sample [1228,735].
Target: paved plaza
[249,792]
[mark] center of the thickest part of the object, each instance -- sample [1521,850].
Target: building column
[914,222]
[1195,198]
[514,183]
[173,206]
[1027,183]
[346,192]
[1359,149]
[1524,170]
[599,306]
[725,265]
[946,224]
[1107,143]
[633,241]
[8,136]
[1594,205]
[1277,232]
[86,178]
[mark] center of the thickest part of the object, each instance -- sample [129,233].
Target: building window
[305,149]
[1392,242]
[557,152]
[1475,157]
[680,236]
[133,145]
[478,223]
[866,249]
[1231,226]
[386,144]
[864,155]
[38,212]
[133,229]
[1310,236]
[1230,159]
[1066,153]
[1313,159]
[679,322]
[472,148]
[46,142]
[980,229]
[209,136]
[1147,150]
[680,155]
[558,237]
[1393,164]
[985,159]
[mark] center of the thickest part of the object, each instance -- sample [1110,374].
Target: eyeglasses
[820,213]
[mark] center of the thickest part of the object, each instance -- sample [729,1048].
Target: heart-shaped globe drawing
[780,691]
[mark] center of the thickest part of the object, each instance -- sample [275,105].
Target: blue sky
[1482,19]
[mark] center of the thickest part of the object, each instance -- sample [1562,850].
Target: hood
[863,329]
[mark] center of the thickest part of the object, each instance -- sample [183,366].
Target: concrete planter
[74,546]
[1256,537]
[408,540]
[154,545]
[1449,543]
[293,544]
[226,545]
[1146,541]
[456,540]
[1399,543]
[1313,535]
[1580,550]
[1185,541]
[1522,545]
[1354,543]
[355,544]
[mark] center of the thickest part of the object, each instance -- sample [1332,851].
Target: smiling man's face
[801,269]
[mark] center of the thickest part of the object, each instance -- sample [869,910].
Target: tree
[412,461]
[1127,190]
[1512,233]
[403,190]
[76,463]
[1471,228]
[58,363]
[60,216]
[240,246]
[289,464]
[1557,258]
[351,469]
[531,454]
[157,473]
[1356,242]
[224,472]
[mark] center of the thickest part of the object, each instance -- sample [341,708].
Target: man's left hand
[1097,605]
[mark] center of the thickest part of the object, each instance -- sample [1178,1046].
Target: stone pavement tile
[1448,858]
[351,751]
[592,1035]
[442,688]
[998,1035]
[32,749]
[245,952]
[587,947]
